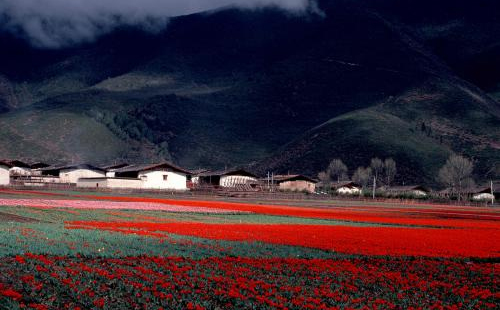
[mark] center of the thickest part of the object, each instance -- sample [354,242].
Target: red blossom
[11,294]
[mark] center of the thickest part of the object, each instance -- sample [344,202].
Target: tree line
[455,175]
[382,172]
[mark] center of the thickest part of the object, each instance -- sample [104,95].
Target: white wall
[483,197]
[72,175]
[109,183]
[92,183]
[232,180]
[110,174]
[348,191]
[124,183]
[419,193]
[36,172]
[155,180]
[4,175]
[20,171]
[299,185]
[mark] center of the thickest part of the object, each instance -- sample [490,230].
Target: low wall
[109,183]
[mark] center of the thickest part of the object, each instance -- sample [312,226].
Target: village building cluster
[167,176]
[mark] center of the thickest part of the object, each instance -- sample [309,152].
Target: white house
[483,197]
[156,176]
[35,168]
[111,169]
[294,182]
[227,178]
[19,168]
[485,193]
[4,173]
[416,191]
[346,188]
[72,173]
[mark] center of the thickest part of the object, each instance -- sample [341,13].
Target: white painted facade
[72,175]
[4,175]
[298,186]
[36,172]
[418,193]
[346,190]
[110,174]
[109,183]
[20,171]
[483,197]
[158,179]
[232,180]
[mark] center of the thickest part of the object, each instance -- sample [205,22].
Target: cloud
[59,23]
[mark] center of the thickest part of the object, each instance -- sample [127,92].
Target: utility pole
[268,185]
[492,193]
[374,186]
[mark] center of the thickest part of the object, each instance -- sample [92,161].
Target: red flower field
[247,256]
[394,241]
[442,216]
[244,283]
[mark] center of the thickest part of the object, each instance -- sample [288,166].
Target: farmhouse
[410,190]
[193,179]
[226,178]
[346,188]
[156,176]
[4,173]
[484,193]
[35,167]
[72,173]
[111,169]
[295,182]
[19,168]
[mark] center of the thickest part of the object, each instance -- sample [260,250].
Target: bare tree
[362,176]
[377,166]
[337,170]
[456,174]
[390,171]
[324,179]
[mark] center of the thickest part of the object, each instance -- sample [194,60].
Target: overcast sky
[56,23]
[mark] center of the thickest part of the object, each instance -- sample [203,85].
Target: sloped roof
[16,163]
[407,188]
[147,167]
[5,163]
[484,189]
[219,173]
[345,184]
[115,166]
[197,172]
[292,177]
[77,166]
[38,165]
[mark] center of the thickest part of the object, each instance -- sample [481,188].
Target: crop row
[397,241]
[51,282]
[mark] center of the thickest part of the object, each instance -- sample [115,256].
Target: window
[165,177]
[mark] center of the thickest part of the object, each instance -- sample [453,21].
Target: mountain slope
[277,91]
[417,128]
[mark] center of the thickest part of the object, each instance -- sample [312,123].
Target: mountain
[412,80]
